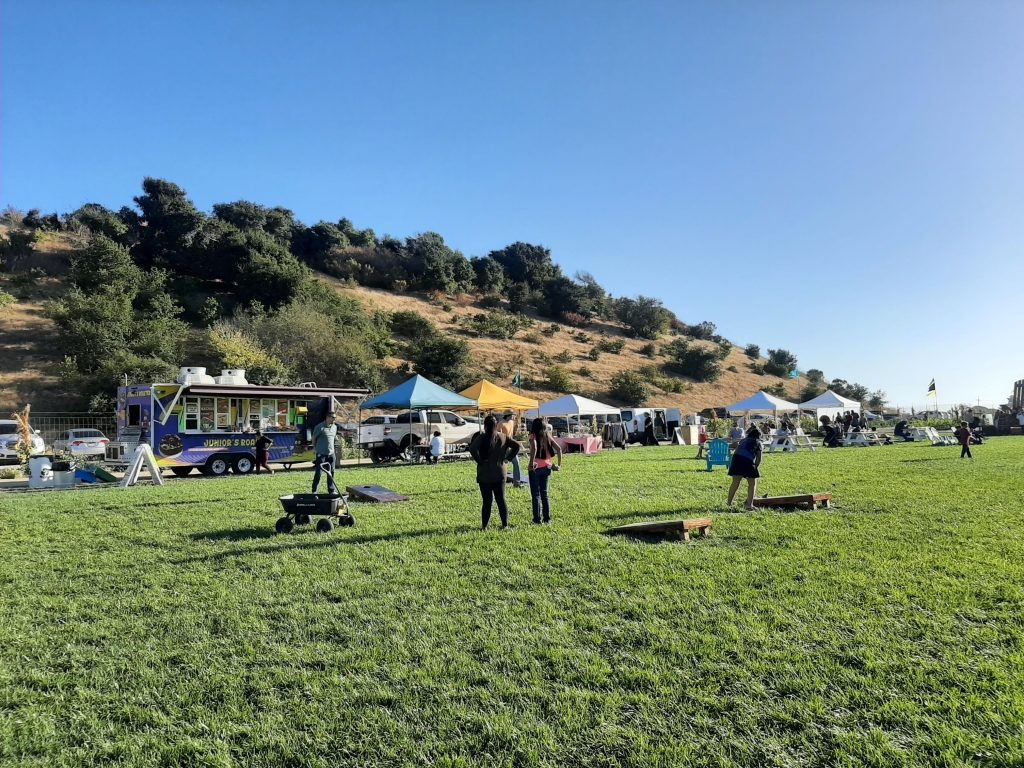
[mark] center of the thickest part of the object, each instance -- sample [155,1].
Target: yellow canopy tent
[493,398]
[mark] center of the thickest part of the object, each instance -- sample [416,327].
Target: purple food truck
[208,423]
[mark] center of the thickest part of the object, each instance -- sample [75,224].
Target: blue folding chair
[718,453]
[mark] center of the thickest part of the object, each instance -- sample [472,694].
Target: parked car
[378,434]
[82,443]
[9,439]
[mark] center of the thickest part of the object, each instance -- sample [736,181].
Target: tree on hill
[781,362]
[643,316]
[525,263]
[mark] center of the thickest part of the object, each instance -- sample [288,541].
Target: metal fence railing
[52,425]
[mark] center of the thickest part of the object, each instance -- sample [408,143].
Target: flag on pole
[518,380]
[931,389]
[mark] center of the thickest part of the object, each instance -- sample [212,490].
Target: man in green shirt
[323,447]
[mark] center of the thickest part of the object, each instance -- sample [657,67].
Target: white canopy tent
[830,404]
[572,405]
[762,402]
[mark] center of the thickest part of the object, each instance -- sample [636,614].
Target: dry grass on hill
[489,354]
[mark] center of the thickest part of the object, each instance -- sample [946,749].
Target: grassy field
[169,626]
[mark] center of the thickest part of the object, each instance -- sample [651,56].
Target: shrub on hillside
[724,348]
[585,372]
[558,378]
[575,319]
[565,356]
[628,387]
[647,350]
[494,325]
[594,354]
[583,338]
[410,324]
[490,301]
[611,346]
[697,362]
[551,330]
[752,351]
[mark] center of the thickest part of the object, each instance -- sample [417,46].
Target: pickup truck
[376,429]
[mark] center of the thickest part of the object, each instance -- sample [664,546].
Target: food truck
[209,423]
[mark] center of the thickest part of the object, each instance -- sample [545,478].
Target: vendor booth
[416,394]
[575,410]
[491,397]
[830,404]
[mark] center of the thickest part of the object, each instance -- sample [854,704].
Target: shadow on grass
[234,534]
[306,538]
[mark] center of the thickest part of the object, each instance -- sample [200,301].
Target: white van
[665,422]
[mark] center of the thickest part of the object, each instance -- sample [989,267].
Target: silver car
[9,439]
[82,443]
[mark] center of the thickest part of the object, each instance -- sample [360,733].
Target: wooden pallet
[812,499]
[374,493]
[701,524]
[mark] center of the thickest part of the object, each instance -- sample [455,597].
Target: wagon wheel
[284,525]
[324,525]
[303,519]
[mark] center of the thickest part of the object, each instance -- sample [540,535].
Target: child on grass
[964,435]
[745,463]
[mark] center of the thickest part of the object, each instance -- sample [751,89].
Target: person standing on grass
[542,450]
[323,446]
[508,426]
[263,446]
[745,463]
[702,441]
[964,435]
[489,450]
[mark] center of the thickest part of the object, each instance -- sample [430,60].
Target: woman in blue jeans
[542,450]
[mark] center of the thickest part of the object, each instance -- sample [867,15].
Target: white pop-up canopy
[573,405]
[830,404]
[830,399]
[762,402]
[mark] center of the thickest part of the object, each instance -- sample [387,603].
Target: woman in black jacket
[490,449]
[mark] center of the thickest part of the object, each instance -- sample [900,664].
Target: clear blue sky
[842,179]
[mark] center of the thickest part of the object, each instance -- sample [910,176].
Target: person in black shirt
[263,446]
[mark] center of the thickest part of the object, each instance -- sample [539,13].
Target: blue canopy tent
[417,393]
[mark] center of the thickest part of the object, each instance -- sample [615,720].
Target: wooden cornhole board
[812,499]
[701,524]
[374,493]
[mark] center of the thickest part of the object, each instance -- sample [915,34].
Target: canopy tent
[491,397]
[830,400]
[830,404]
[573,405]
[762,402]
[418,392]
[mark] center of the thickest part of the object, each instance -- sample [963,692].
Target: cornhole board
[374,493]
[812,499]
[701,524]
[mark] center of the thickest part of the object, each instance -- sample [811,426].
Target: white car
[82,443]
[9,439]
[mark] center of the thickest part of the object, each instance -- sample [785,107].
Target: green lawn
[169,626]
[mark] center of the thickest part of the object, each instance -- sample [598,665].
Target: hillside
[490,354]
[30,372]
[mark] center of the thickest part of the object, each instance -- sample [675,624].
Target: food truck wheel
[181,471]
[244,465]
[324,525]
[284,525]
[375,456]
[217,466]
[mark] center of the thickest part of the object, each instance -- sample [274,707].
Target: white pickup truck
[376,429]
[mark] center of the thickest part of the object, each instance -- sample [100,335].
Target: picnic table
[792,443]
[585,444]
